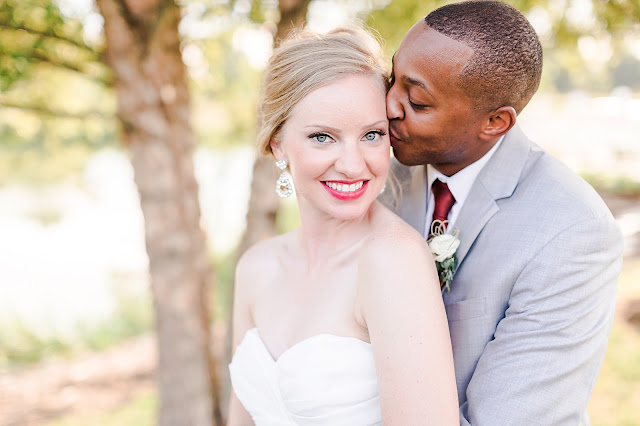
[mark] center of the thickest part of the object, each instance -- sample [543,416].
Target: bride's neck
[326,239]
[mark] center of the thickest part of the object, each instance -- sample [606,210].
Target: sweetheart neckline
[299,343]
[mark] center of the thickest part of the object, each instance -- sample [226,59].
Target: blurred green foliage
[225,97]
[618,16]
[20,345]
[620,185]
[222,301]
[133,316]
[35,32]
[50,82]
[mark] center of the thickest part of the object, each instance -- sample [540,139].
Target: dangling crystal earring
[284,184]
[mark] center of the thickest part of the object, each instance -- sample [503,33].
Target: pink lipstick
[345,195]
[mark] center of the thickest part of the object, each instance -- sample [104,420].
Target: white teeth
[345,187]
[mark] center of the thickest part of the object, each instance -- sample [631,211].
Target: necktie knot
[444,200]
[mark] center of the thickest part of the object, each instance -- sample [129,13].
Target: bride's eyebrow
[323,127]
[335,130]
[377,123]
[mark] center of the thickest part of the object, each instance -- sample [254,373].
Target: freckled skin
[443,130]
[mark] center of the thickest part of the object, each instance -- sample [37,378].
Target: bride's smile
[346,190]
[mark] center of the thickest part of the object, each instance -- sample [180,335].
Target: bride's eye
[373,135]
[320,137]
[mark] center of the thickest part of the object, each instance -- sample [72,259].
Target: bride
[339,322]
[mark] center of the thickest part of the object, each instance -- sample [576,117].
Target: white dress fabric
[323,380]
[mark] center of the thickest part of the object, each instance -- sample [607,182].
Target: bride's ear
[276,149]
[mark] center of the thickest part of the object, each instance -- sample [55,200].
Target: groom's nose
[394,106]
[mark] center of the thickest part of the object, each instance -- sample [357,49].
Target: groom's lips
[393,138]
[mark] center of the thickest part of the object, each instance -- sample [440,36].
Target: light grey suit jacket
[532,301]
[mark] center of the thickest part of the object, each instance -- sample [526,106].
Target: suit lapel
[479,207]
[497,180]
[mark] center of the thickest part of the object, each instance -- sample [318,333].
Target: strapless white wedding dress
[323,380]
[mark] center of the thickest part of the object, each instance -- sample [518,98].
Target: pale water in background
[66,250]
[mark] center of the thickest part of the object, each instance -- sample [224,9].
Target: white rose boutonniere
[443,247]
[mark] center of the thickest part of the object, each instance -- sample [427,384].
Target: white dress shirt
[459,184]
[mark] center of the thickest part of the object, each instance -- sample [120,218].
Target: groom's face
[431,120]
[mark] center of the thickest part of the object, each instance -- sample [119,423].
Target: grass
[140,411]
[21,346]
[616,397]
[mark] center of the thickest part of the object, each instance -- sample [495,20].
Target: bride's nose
[351,161]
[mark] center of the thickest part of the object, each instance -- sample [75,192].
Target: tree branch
[53,35]
[144,27]
[40,110]
[38,57]
[134,24]
[162,7]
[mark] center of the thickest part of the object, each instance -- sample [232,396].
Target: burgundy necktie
[443,200]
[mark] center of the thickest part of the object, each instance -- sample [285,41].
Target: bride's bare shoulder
[395,264]
[392,234]
[263,258]
[394,250]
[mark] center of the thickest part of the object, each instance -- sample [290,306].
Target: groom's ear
[498,123]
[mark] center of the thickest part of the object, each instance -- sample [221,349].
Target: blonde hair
[307,61]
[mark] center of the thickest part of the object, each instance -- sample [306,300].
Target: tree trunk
[263,202]
[143,49]
[293,14]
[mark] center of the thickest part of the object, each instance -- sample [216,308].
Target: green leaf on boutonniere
[443,247]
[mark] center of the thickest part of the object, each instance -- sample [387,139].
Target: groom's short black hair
[506,64]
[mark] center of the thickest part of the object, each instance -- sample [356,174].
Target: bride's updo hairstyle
[307,61]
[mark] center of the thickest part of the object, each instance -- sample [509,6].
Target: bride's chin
[351,213]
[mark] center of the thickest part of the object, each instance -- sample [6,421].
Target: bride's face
[337,145]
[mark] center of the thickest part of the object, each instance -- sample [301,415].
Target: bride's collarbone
[292,256]
[292,313]
[309,294]
[316,284]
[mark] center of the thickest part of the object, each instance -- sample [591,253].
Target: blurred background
[129,185]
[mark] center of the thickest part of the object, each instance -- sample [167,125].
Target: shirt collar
[460,183]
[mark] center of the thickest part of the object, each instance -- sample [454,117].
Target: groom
[532,300]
